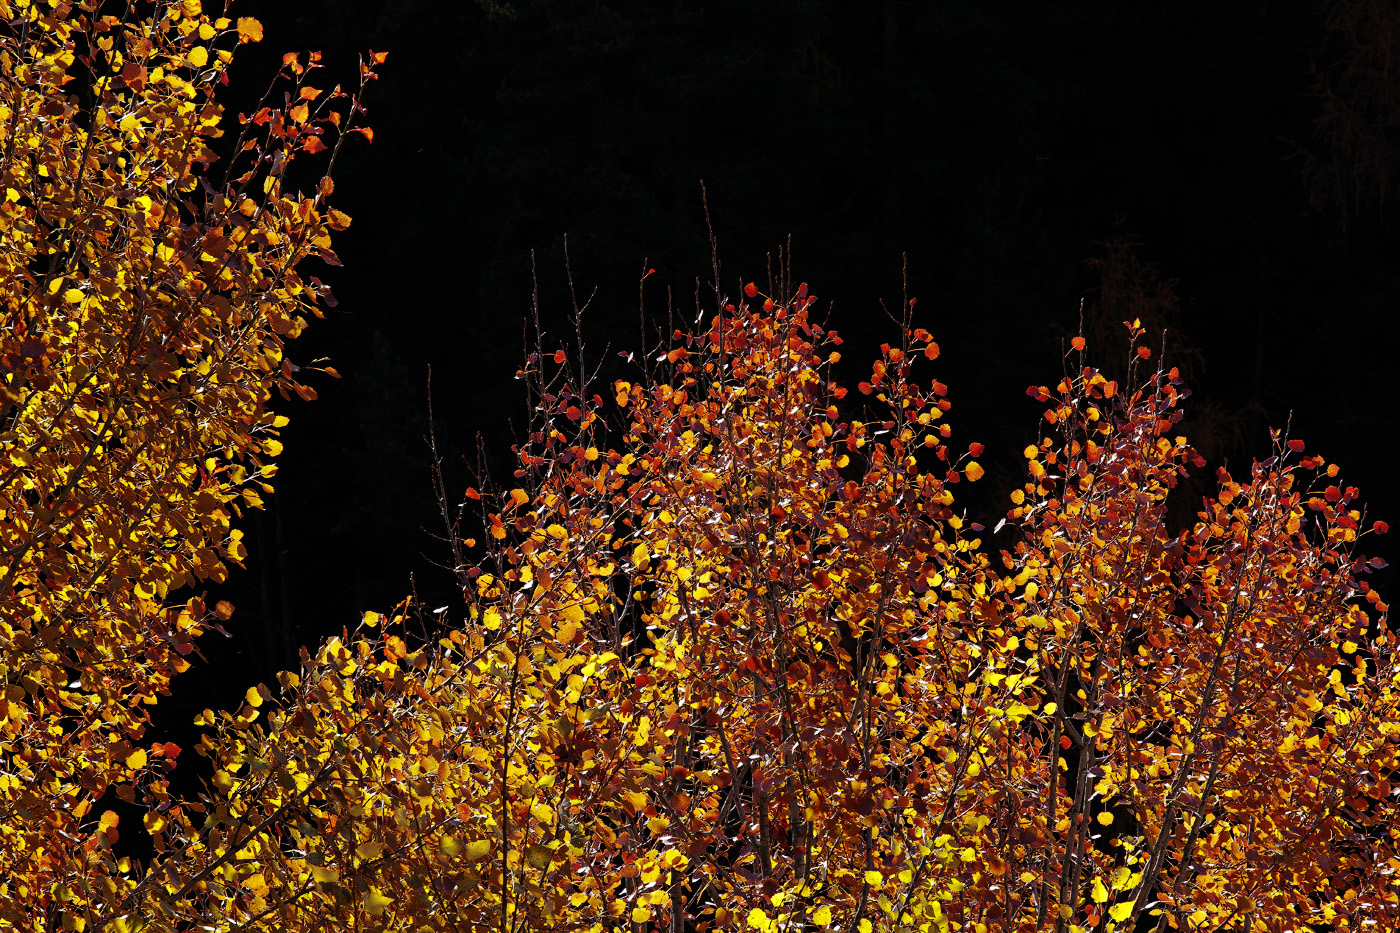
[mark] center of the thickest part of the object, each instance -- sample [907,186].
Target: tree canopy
[727,656]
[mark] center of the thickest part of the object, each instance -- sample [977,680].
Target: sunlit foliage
[145,302]
[750,670]
[728,656]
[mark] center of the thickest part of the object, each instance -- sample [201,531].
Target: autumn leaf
[376,902]
[249,29]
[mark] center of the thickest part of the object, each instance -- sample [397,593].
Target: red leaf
[1144,352]
[975,449]
[1295,445]
[750,289]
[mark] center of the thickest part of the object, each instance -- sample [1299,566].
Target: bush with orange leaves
[747,669]
[729,658]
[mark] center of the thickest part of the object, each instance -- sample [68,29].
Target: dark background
[1219,169]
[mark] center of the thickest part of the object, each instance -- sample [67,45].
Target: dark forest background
[1222,170]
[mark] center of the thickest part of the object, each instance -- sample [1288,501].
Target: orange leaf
[249,29]
[1077,343]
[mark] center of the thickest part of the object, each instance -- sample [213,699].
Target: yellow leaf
[450,846]
[1100,893]
[369,850]
[478,850]
[822,917]
[73,295]
[640,914]
[758,919]
[249,29]
[324,875]
[974,471]
[1105,818]
[273,447]
[198,56]
[253,697]
[376,902]
[1121,911]
[539,856]
[136,760]
[568,631]
[338,220]
[873,877]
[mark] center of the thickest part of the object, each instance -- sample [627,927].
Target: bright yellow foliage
[146,296]
[729,660]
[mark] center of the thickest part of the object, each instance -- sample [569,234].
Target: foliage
[751,671]
[142,322]
[729,659]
